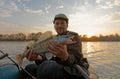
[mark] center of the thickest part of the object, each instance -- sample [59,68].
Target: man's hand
[58,49]
[32,56]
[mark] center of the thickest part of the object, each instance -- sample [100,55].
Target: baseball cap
[61,16]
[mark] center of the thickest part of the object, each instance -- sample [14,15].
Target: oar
[10,59]
[84,74]
[18,65]
[3,56]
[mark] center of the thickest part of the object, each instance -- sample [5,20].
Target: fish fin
[45,36]
[30,44]
[19,59]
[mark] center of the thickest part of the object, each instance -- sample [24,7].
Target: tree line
[111,37]
[20,37]
[35,36]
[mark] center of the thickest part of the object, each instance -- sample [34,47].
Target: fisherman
[62,64]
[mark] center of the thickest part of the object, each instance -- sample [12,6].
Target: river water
[104,57]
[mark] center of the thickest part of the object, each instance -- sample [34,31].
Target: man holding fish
[65,55]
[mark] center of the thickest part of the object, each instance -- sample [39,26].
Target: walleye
[41,45]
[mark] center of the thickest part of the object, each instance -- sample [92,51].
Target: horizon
[86,17]
[55,34]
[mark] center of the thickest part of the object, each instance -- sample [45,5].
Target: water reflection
[89,49]
[92,48]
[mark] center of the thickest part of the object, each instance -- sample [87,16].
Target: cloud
[59,7]
[87,19]
[9,28]
[2,24]
[93,19]
[111,18]
[117,2]
[85,23]
[34,11]
[5,26]
[26,9]
[47,8]
[115,16]
[93,23]
[46,27]
[110,4]
[14,7]
[98,1]
[5,14]
[8,8]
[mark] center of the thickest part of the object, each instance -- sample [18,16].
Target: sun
[89,34]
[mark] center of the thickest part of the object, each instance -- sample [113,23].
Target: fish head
[65,39]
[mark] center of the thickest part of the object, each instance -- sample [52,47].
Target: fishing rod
[18,65]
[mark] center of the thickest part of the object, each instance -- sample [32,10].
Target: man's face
[60,26]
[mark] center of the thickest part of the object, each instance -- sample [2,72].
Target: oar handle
[3,56]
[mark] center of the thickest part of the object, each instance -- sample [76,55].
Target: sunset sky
[91,17]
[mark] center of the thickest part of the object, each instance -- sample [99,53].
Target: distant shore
[34,36]
[82,41]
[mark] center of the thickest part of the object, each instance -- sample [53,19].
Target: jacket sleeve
[74,51]
[43,59]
